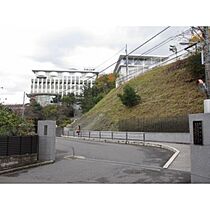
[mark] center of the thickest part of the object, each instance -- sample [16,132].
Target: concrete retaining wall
[8,162]
[183,138]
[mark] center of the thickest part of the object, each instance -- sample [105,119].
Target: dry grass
[163,92]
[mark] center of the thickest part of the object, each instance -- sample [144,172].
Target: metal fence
[183,138]
[108,135]
[18,145]
[168,124]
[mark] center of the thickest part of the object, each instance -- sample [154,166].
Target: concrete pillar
[207,106]
[38,89]
[42,83]
[47,135]
[62,87]
[200,147]
[55,80]
[33,84]
[50,85]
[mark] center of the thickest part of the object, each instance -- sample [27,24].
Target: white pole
[126,52]
[23,104]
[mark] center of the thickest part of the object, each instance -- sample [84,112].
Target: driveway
[98,162]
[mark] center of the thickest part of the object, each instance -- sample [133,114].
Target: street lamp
[173,48]
[190,44]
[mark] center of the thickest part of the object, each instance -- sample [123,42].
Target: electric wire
[138,47]
[127,54]
[165,42]
[109,58]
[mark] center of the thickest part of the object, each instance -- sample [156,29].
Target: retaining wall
[8,162]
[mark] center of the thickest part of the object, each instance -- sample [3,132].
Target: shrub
[13,125]
[129,97]
[195,67]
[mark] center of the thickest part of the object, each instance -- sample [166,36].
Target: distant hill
[166,91]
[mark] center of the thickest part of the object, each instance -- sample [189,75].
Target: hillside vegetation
[166,91]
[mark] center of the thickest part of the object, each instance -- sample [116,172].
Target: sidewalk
[182,161]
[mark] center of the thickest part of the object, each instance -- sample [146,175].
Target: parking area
[99,162]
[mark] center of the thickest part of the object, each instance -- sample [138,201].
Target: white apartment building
[48,83]
[137,64]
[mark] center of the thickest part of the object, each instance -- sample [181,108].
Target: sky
[52,35]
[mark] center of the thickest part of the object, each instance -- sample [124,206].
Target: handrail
[115,135]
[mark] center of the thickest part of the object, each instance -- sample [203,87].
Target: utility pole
[207,59]
[126,52]
[23,108]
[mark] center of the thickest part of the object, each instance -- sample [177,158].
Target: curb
[133,142]
[27,166]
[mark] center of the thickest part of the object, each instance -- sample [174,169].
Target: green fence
[168,124]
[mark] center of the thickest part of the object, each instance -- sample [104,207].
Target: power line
[169,59]
[164,42]
[149,39]
[109,58]
[157,46]
[127,53]
[134,50]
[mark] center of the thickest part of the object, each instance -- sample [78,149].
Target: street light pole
[126,52]
[23,108]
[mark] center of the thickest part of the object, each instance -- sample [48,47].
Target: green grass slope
[164,93]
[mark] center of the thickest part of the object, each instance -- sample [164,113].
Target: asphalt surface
[97,162]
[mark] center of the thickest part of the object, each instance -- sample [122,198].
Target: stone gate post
[47,136]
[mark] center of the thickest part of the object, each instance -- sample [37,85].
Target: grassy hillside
[165,92]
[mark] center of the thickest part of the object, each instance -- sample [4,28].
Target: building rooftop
[71,70]
[142,56]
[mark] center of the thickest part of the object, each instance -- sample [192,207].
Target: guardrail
[181,138]
[115,135]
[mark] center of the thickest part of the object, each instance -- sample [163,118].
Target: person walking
[78,130]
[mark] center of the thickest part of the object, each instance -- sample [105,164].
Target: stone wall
[8,162]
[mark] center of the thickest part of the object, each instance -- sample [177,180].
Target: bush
[13,125]
[195,67]
[129,97]
[63,122]
[192,64]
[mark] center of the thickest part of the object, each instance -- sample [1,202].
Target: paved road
[102,163]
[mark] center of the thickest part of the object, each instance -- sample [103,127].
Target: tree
[194,65]
[87,99]
[13,125]
[105,83]
[68,100]
[50,112]
[129,97]
[34,110]
[92,95]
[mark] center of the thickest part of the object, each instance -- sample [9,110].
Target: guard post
[47,136]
